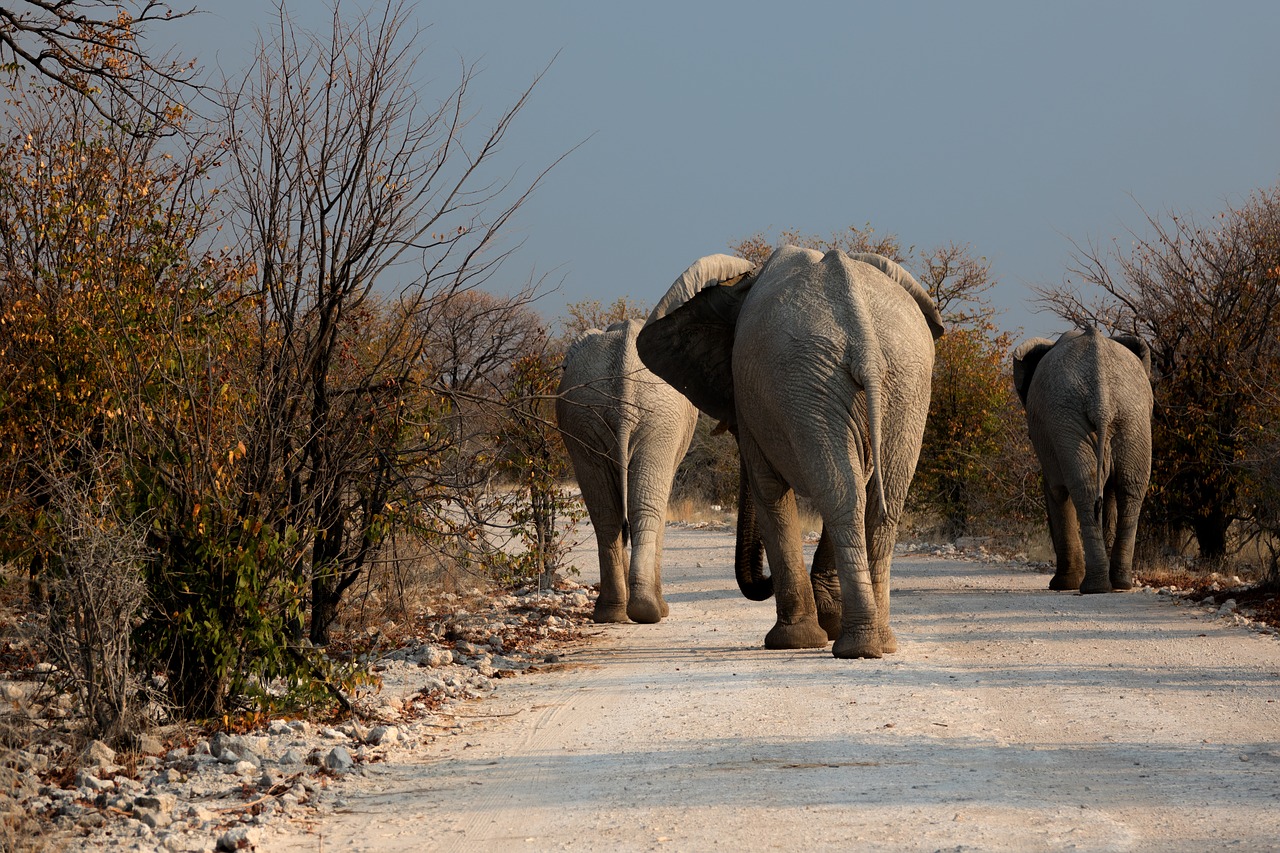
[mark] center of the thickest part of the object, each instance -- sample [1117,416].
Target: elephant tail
[1099,453]
[867,372]
[1102,408]
[624,439]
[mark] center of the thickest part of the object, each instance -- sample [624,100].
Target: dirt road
[1012,718]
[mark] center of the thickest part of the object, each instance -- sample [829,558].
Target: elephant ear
[692,348]
[896,272]
[1025,359]
[701,274]
[1138,347]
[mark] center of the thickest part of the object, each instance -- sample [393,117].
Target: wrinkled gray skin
[822,367]
[1088,402]
[626,431]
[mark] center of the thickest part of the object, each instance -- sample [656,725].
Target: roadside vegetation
[250,366]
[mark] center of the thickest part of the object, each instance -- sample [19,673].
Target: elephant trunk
[748,557]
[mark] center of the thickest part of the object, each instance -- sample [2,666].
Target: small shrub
[96,596]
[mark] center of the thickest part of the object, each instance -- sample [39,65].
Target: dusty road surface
[1012,718]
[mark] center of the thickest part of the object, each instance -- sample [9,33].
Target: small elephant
[1088,403]
[626,431]
[821,366]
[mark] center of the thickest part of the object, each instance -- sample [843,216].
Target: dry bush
[96,596]
[406,584]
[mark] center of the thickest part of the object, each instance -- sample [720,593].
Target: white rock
[382,735]
[153,819]
[239,838]
[98,753]
[159,802]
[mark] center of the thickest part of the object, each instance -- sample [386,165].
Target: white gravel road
[1012,718]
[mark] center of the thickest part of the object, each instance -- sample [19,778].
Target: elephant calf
[1088,403]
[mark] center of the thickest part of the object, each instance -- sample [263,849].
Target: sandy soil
[1012,718]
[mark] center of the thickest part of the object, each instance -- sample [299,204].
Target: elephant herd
[820,366]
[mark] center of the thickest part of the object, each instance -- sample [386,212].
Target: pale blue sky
[1012,126]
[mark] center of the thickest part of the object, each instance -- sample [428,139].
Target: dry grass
[409,582]
[690,511]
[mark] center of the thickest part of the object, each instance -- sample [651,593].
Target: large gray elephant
[626,431]
[1088,403]
[821,365]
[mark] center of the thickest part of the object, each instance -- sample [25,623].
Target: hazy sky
[1015,127]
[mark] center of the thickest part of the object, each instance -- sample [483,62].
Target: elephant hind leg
[1128,506]
[601,494]
[1065,531]
[797,626]
[826,586]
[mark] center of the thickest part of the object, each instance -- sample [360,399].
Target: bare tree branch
[92,47]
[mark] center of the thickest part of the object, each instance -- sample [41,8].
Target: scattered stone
[97,753]
[85,779]
[382,735]
[339,760]
[150,745]
[153,819]
[239,838]
[159,802]
[435,657]
[497,639]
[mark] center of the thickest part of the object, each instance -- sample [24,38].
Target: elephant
[626,431]
[821,365]
[1088,403]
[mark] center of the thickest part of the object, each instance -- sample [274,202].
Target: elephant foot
[645,609]
[1065,582]
[606,612]
[806,634]
[1092,587]
[888,640]
[829,613]
[859,643]
[1121,580]
[666,608]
